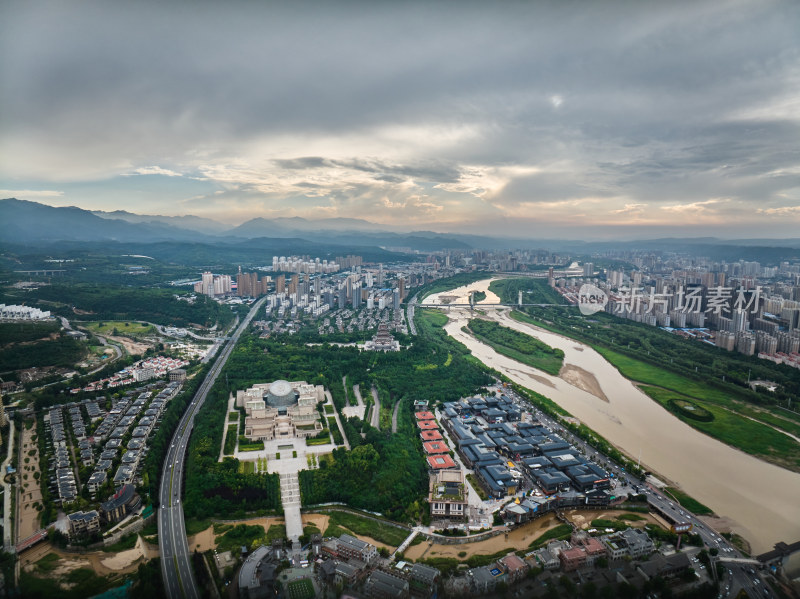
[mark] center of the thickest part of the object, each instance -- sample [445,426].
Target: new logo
[591,299]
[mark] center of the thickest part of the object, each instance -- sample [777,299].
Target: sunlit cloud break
[547,120]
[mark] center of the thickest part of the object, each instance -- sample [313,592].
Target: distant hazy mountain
[190,222]
[287,227]
[30,223]
[345,231]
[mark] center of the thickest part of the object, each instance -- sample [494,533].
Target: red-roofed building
[440,462]
[435,447]
[427,424]
[425,416]
[572,559]
[593,548]
[432,435]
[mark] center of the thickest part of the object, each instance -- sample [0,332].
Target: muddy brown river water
[761,500]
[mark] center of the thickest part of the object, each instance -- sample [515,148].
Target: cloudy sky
[584,119]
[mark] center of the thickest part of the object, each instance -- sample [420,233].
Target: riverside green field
[744,425]
[518,346]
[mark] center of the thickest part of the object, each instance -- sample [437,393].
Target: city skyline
[611,120]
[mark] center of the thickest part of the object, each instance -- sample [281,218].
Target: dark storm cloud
[361,104]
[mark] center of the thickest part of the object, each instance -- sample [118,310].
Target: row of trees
[383,473]
[62,351]
[220,489]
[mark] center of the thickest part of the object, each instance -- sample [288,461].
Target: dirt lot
[518,538]
[204,541]
[132,347]
[584,519]
[318,520]
[104,564]
[321,522]
[30,493]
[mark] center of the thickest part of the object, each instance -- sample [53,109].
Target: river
[761,501]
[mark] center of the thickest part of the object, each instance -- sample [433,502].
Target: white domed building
[281,410]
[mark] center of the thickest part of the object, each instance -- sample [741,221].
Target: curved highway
[176,559]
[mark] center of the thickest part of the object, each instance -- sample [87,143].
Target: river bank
[760,499]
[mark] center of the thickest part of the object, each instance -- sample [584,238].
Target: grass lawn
[310,529]
[355,524]
[276,531]
[48,563]
[106,327]
[241,534]
[643,372]
[230,440]
[322,441]
[729,423]
[689,503]
[432,318]
[630,517]
[194,527]
[81,582]
[562,531]
[518,346]
[247,445]
[301,589]
[247,467]
[751,437]
[126,542]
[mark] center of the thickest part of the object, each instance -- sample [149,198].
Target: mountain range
[29,223]
[32,223]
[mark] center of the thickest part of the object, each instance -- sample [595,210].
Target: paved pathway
[290,497]
[410,315]
[338,421]
[231,408]
[394,415]
[404,545]
[8,542]
[376,410]
[358,409]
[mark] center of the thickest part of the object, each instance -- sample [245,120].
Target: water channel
[760,501]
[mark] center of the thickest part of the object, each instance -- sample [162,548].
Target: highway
[176,559]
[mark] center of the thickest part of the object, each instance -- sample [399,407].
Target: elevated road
[176,559]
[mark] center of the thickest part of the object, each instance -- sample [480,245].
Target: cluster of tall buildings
[213,285]
[349,261]
[251,285]
[752,309]
[304,265]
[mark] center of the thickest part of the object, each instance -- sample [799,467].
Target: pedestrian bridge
[738,560]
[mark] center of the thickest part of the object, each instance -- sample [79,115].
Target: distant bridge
[489,305]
